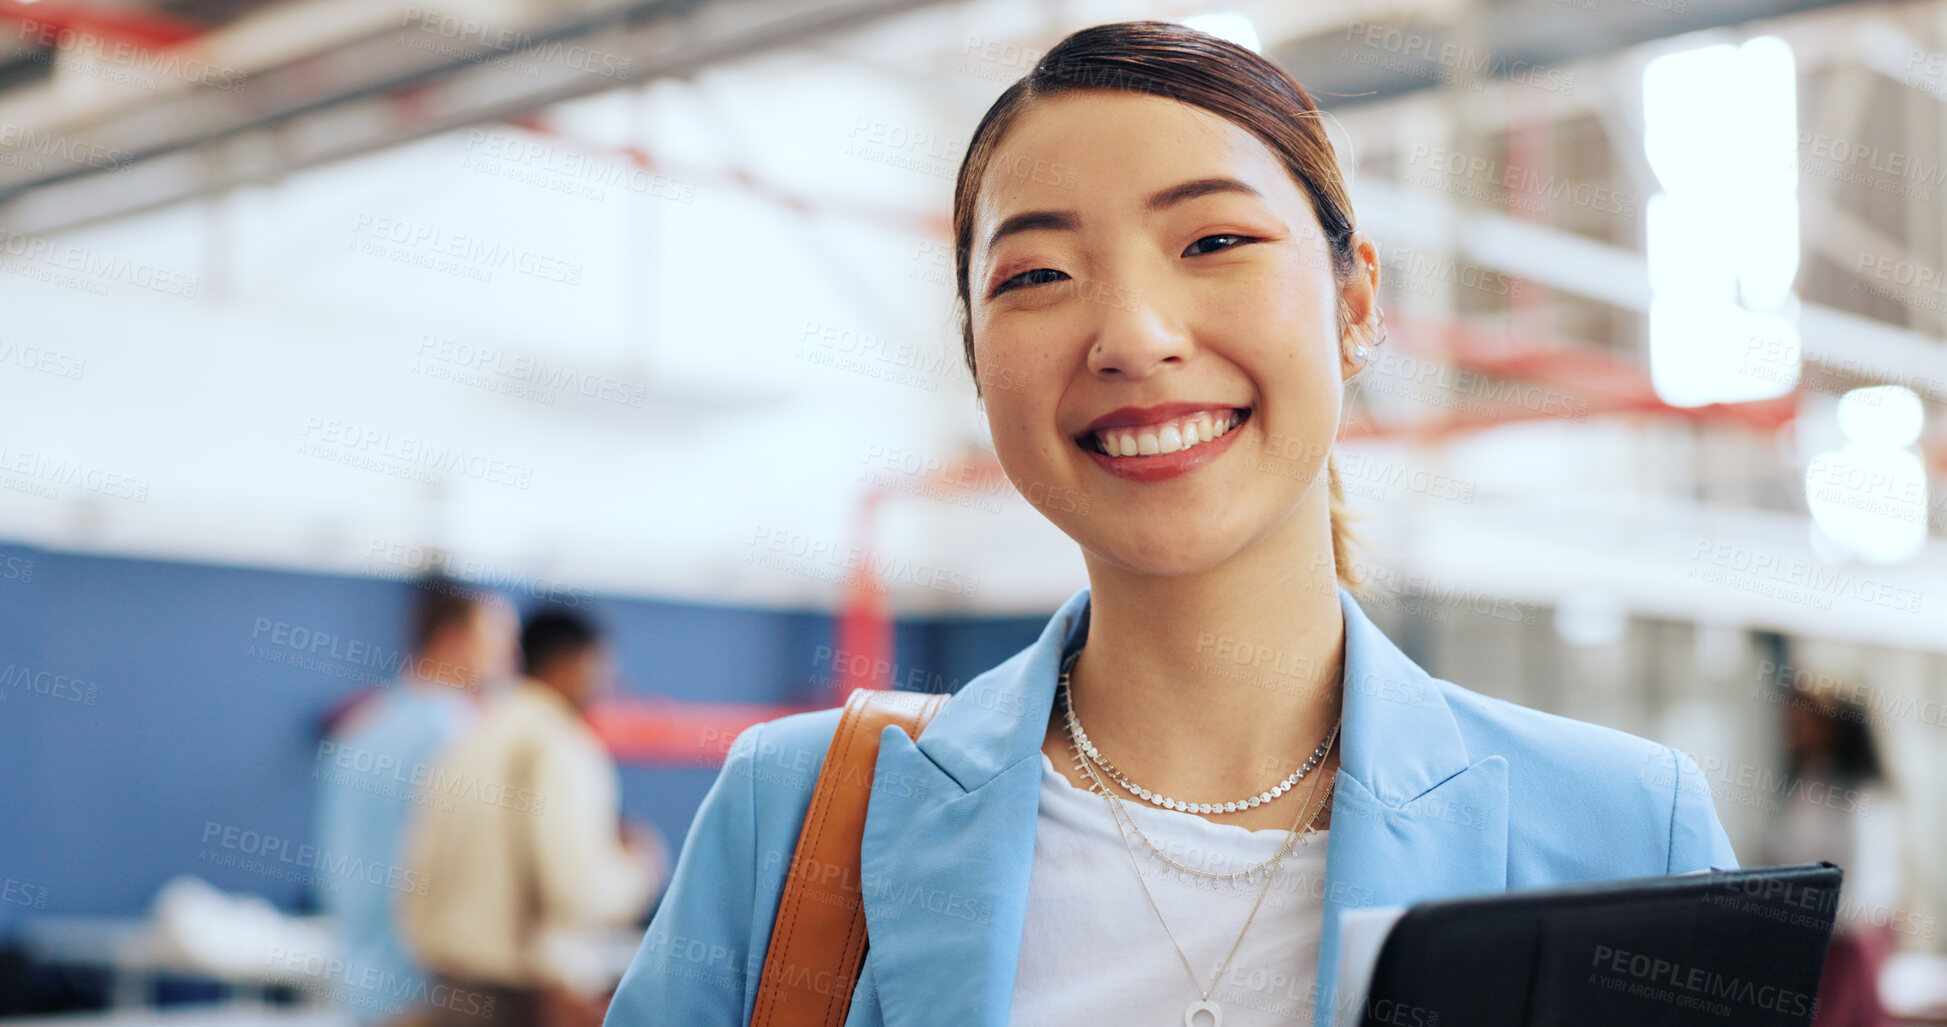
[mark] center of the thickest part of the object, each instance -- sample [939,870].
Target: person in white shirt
[531,856]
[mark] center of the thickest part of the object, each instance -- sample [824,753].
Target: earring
[1362,360]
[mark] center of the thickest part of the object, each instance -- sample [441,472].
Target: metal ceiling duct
[419,71]
[1524,40]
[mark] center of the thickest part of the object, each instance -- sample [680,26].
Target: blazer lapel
[949,841]
[949,836]
[1413,817]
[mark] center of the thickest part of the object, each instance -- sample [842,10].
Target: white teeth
[1168,437]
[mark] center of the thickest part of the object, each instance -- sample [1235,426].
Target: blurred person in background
[375,757]
[1840,808]
[525,882]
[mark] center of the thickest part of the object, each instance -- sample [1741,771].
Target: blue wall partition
[153,712]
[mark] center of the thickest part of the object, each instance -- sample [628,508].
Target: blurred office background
[644,308]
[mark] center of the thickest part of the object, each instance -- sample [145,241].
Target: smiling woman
[1290,195]
[1155,250]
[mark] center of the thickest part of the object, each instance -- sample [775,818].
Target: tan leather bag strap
[818,940]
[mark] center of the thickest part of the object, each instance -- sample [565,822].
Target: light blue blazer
[1441,792]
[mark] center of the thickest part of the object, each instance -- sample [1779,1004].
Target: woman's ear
[1359,300]
[1360,290]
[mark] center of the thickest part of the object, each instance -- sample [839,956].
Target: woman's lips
[1195,435]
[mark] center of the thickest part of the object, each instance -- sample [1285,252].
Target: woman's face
[1145,275]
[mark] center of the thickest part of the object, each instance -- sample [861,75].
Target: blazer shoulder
[1591,801]
[1549,742]
[782,759]
[704,949]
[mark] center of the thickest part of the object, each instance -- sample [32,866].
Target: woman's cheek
[1023,364]
[1291,341]
[1011,421]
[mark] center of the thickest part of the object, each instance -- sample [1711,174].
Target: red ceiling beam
[1598,381]
[930,225]
[70,26]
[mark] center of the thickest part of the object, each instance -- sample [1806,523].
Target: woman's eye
[1214,243]
[1038,276]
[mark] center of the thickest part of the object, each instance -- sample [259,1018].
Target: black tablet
[1725,948]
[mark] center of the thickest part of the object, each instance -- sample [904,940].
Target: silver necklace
[1157,798]
[1091,769]
[1302,826]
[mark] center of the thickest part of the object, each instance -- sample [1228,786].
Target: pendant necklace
[1302,826]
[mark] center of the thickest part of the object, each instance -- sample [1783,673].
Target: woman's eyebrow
[1198,187]
[1035,220]
[1066,220]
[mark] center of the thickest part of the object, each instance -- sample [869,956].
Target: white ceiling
[306,319]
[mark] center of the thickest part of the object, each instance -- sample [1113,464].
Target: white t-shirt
[1094,952]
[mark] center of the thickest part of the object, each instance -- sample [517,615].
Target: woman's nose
[1135,334]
